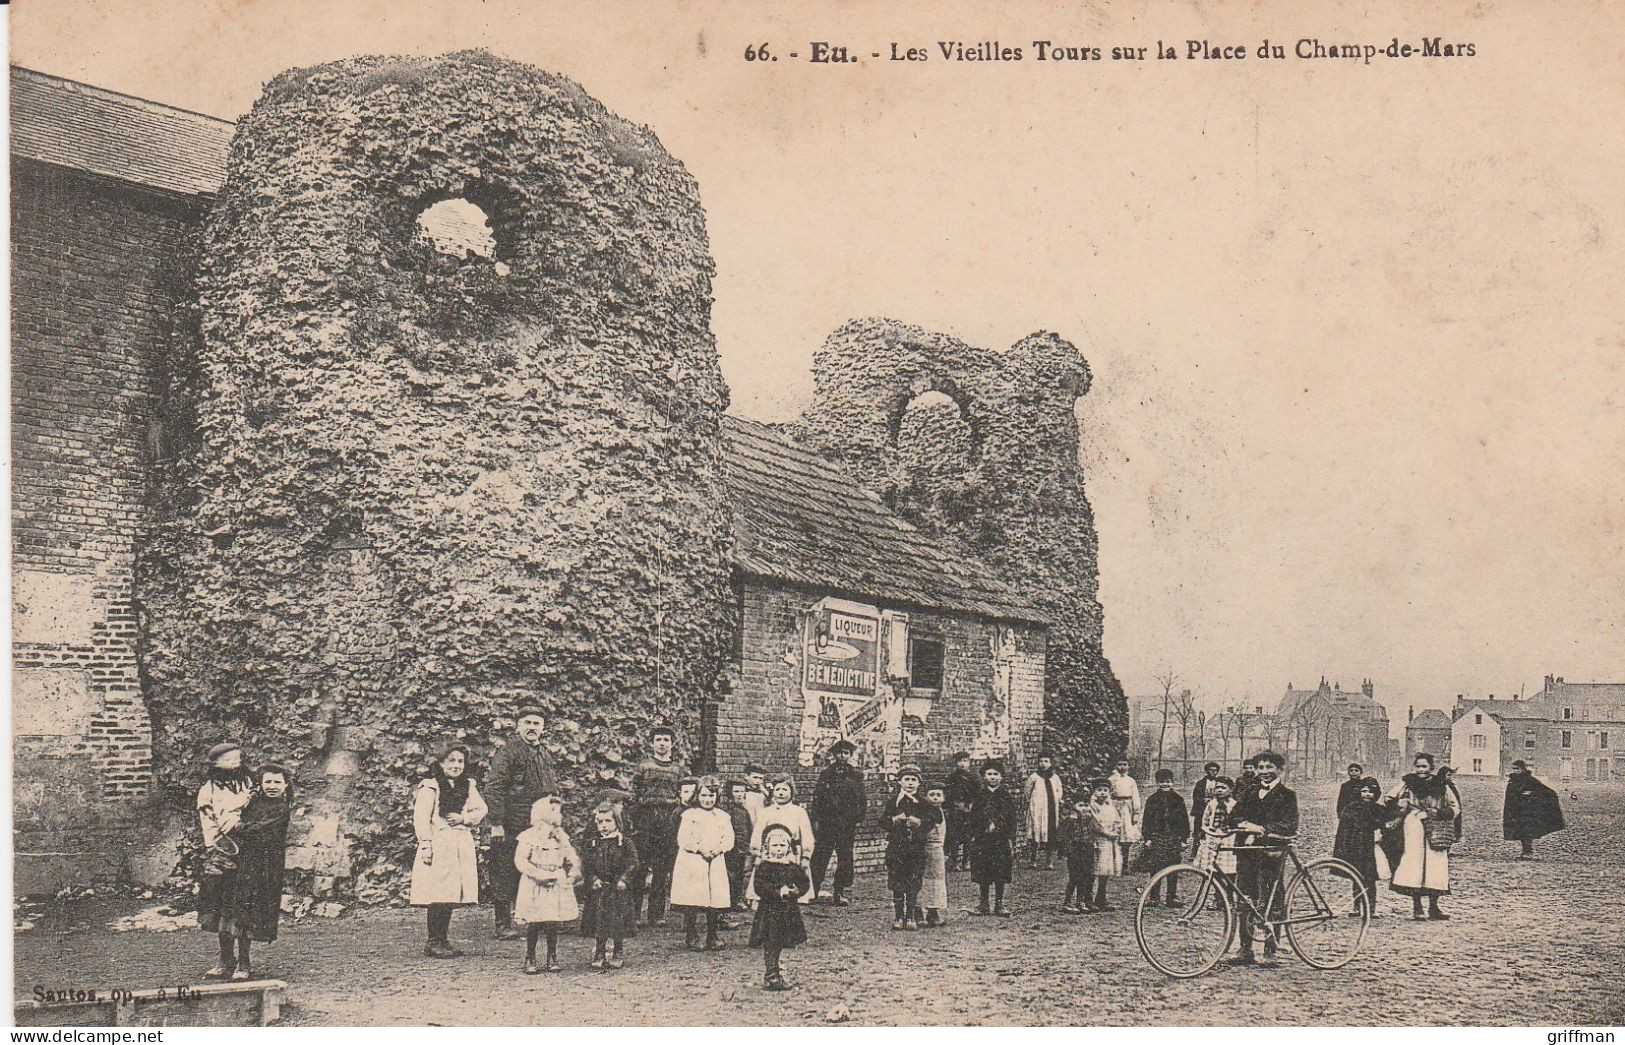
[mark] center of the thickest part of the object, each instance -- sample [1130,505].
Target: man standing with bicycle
[1266,816]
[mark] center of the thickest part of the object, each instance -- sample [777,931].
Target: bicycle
[1189,938]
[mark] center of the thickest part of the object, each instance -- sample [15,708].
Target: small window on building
[1602,741]
[1478,741]
[1567,739]
[1478,720]
[1478,765]
[1528,739]
[925,655]
[1568,713]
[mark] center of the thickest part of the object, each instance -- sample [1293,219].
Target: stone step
[253,1003]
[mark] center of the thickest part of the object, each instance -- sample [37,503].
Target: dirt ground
[1529,943]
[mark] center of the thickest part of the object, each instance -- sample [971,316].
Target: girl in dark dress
[778,886]
[609,869]
[248,903]
[1358,822]
[907,818]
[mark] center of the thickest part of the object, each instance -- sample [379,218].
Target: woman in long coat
[1423,872]
[446,808]
[699,878]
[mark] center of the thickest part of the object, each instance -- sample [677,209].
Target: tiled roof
[103,132]
[1432,718]
[799,519]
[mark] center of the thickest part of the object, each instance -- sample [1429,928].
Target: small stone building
[855,625]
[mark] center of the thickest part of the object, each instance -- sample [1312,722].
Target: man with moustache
[521,772]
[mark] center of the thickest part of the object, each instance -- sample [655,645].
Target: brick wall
[88,258]
[991,703]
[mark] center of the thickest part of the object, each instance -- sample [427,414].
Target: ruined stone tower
[983,447]
[410,486]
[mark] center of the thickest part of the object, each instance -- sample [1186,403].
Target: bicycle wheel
[1188,938]
[1327,913]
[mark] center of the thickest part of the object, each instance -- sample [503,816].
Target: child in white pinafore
[699,880]
[549,867]
[934,886]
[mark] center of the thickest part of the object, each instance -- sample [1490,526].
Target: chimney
[1410,712]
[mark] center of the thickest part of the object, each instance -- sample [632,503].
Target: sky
[1356,329]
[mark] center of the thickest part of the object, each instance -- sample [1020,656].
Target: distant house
[1428,732]
[1569,731]
[1322,730]
[1475,737]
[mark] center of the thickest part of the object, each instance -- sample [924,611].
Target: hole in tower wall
[933,437]
[461,230]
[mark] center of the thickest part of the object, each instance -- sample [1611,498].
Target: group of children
[710,875]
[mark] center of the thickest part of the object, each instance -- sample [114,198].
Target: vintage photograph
[713,514]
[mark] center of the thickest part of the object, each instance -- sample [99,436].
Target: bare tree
[1167,680]
[1185,711]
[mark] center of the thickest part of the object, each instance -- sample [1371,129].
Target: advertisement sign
[843,650]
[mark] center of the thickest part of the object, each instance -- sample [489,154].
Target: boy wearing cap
[906,819]
[521,773]
[838,805]
[1165,825]
[994,821]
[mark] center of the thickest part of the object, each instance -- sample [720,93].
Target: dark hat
[1520,764]
[223,747]
[529,709]
[755,768]
[1164,774]
[1045,753]
[1370,781]
[842,747]
[1226,781]
[992,763]
[909,769]
[960,755]
[1210,765]
[1099,781]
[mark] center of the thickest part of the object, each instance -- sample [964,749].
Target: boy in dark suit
[1266,815]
